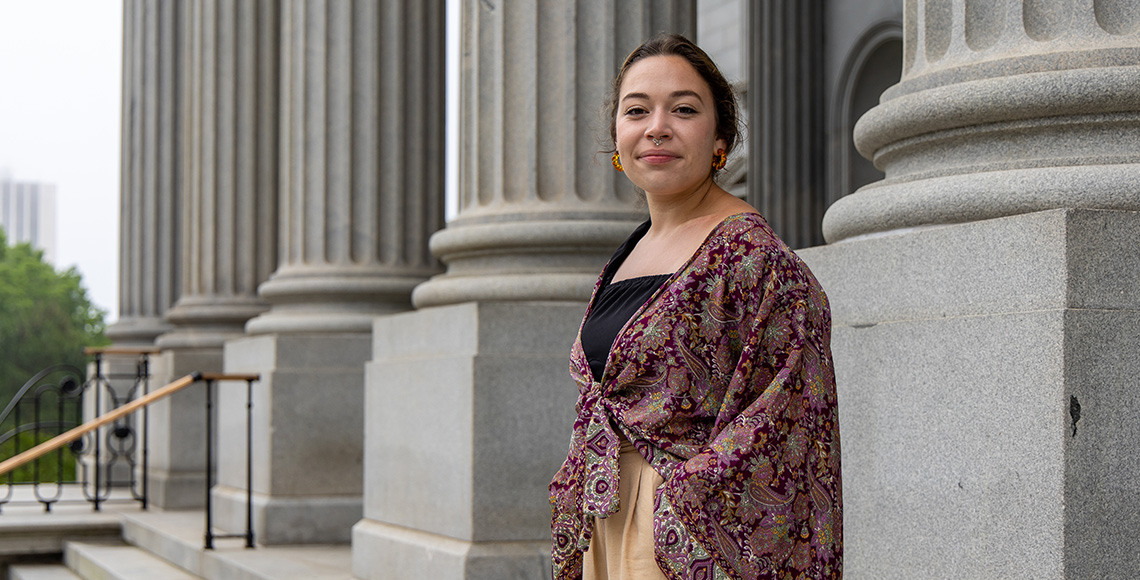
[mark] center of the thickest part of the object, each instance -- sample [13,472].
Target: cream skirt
[622,546]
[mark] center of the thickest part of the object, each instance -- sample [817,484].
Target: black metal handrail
[55,398]
[248,535]
[76,433]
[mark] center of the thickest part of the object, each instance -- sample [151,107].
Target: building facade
[283,214]
[27,214]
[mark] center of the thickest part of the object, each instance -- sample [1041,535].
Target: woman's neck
[669,213]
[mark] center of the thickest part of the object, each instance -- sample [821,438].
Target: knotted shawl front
[723,381]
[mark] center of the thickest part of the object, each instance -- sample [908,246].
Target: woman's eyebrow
[674,94]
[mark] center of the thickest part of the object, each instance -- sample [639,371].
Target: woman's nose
[658,127]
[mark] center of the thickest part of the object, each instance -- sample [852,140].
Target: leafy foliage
[48,466]
[45,317]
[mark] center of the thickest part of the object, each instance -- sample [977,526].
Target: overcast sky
[60,111]
[60,75]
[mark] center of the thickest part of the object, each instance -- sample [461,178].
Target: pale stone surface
[229,202]
[308,434]
[357,198]
[151,165]
[995,116]
[176,427]
[402,553]
[957,351]
[540,210]
[469,410]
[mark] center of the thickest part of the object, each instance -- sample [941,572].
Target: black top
[614,304]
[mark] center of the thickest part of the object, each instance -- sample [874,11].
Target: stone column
[360,191]
[539,212]
[786,104]
[985,298]
[1004,108]
[229,202]
[468,401]
[151,171]
[227,220]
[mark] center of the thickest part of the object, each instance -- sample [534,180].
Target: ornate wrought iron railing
[105,465]
[115,421]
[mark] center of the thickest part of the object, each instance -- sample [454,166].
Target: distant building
[27,214]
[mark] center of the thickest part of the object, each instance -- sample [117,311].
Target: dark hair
[668,44]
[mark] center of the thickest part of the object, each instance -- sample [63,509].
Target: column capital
[360,188]
[540,208]
[1004,108]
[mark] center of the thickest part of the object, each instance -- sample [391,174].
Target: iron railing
[56,397]
[105,465]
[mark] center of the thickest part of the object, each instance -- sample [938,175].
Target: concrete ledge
[47,534]
[119,562]
[178,537]
[386,551]
[41,572]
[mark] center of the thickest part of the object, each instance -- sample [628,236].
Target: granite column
[227,220]
[468,401]
[360,190]
[151,169]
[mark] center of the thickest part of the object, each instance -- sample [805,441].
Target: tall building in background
[27,214]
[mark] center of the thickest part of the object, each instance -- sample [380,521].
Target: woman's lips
[657,156]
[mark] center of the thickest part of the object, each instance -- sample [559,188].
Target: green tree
[45,317]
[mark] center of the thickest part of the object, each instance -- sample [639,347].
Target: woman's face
[664,98]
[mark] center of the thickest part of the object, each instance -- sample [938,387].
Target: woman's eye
[686,110]
[635,111]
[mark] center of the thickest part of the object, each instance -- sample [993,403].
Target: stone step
[119,562]
[41,572]
[178,537]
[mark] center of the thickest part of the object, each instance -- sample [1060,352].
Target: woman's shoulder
[747,231]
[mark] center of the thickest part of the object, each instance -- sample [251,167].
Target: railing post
[144,378]
[249,463]
[248,535]
[96,438]
[209,463]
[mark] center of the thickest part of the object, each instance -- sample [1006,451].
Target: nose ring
[656,142]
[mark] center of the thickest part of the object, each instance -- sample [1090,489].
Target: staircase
[151,545]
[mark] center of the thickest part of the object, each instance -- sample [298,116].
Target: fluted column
[361,181]
[467,402]
[229,203]
[1005,107]
[360,191]
[539,209]
[786,153]
[151,169]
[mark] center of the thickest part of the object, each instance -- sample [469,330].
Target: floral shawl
[723,381]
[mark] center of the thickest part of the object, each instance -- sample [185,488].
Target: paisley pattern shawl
[723,381]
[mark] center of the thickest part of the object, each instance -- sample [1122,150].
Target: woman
[707,440]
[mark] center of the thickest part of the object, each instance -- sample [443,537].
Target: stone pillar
[985,298]
[468,401]
[1049,86]
[361,189]
[151,172]
[786,104]
[227,219]
[229,202]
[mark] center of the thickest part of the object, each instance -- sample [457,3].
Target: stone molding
[1007,121]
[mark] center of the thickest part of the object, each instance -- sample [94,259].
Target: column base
[308,436]
[171,490]
[381,551]
[469,409]
[177,430]
[284,520]
[986,378]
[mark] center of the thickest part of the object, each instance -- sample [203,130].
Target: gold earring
[616,160]
[719,159]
